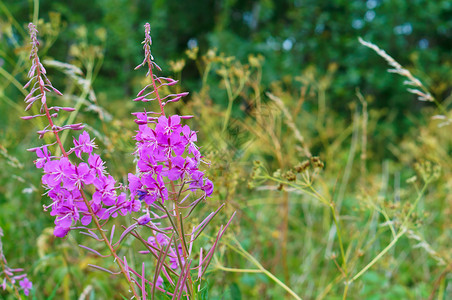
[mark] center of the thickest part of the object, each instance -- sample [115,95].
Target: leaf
[235,291]
[55,289]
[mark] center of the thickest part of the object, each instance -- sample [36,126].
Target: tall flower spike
[149,60]
[9,276]
[168,169]
[37,73]
[65,180]
[166,149]
[147,45]
[34,39]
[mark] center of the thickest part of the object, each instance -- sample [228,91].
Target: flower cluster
[24,283]
[166,151]
[40,88]
[65,181]
[9,276]
[168,169]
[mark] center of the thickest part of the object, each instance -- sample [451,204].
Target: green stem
[14,81]
[401,232]
[318,196]
[230,101]
[339,238]
[262,269]
[344,296]
[336,223]
[377,258]
[226,269]
[35,11]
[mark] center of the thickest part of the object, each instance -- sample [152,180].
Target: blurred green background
[291,35]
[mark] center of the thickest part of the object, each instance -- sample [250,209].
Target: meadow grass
[329,204]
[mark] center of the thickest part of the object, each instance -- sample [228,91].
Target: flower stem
[108,244]
[93,215]
[13,286]
[401,232]
[251,258]
[154,85]
[179,225]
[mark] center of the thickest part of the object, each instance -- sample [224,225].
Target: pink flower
[43,156]
[26,285]
[83,144]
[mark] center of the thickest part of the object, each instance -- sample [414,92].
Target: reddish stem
[13,286]
[176,204]
[148,59]
[93,215]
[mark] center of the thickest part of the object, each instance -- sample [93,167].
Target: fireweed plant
[165,190]
[9,276]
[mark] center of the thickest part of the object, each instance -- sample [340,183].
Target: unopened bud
[144,219]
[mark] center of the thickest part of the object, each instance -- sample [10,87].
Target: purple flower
[147,162]
[142,118]
[180,167]
[168,144]
[65,180]
[146,134]
[134,184]
[158,240]
[96,163]
[161,154]
[100,212]
[86,219]
[60,231]
[197,180]
[208,188]
[150,191]
[55,171]
[77,176]
[66,215]
[144,219]
[168,125]
[174,260]
[189,137]
[26,285]
[60,197]
[163,191]
[105,190]
[127,206]
[83,144]
[159,281]
[43,156]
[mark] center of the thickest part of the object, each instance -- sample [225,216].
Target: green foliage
[292,35]
[352,170]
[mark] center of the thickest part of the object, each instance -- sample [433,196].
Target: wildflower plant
[161,195]
[9,277]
